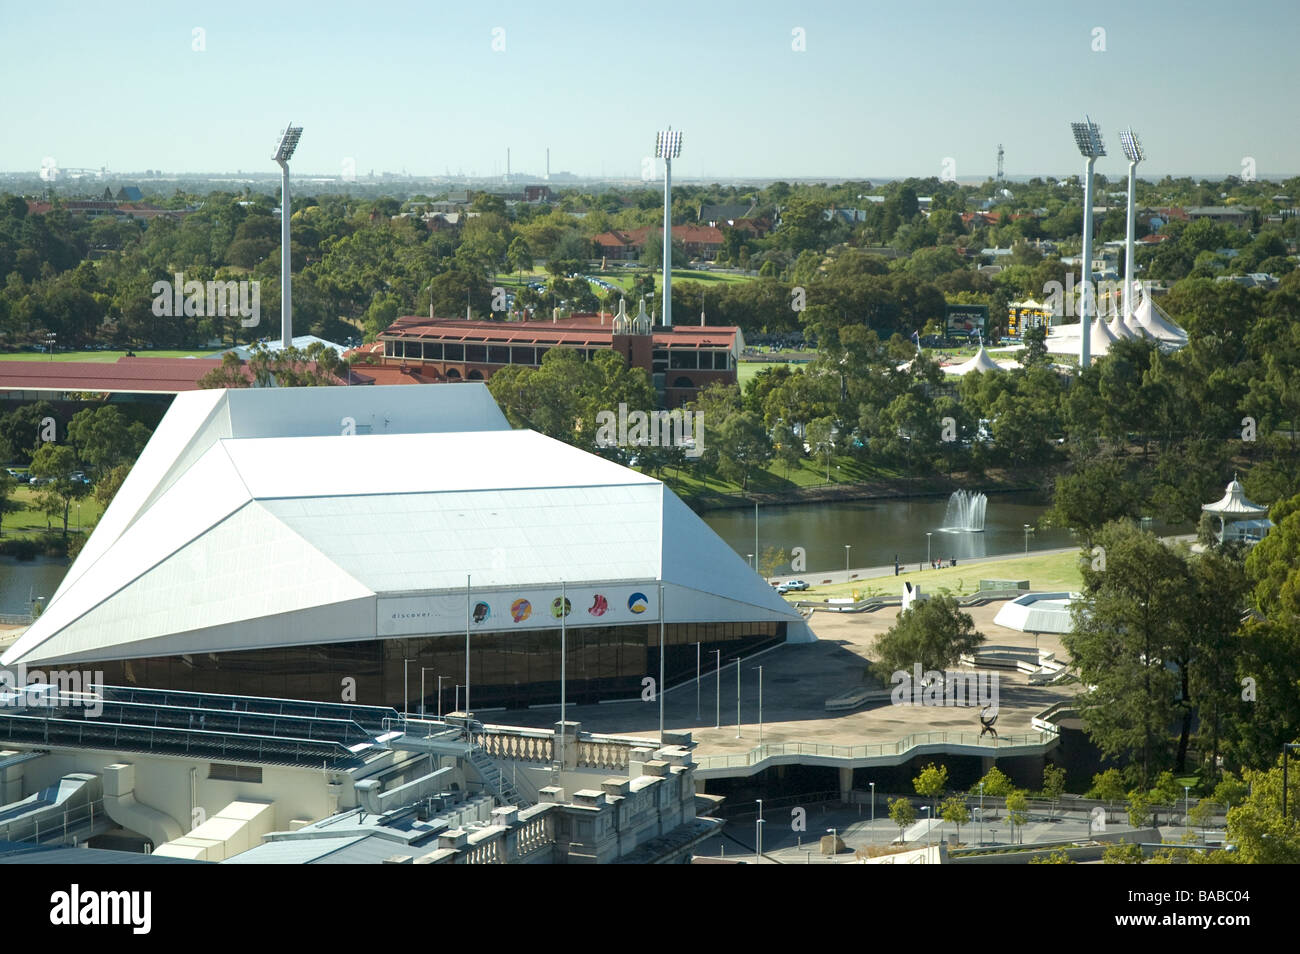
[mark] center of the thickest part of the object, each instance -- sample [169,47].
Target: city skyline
[762,92]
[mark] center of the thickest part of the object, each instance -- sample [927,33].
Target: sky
[760,89]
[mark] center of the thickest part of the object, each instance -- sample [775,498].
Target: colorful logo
[637,603]
[520,610]
[598,606]
[557,610]
[481,612]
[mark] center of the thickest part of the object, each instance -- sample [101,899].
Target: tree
[1139,808]
[1256,825]
[996,784]
[57,463]
[7,504]
[954,810]
[103,438]
[1018,811]
[930,784]
[1123,853]
[934,633]
[1109,787]
[519,256]
[1166,791]
[903,814]
[1053,783]
[1135,591]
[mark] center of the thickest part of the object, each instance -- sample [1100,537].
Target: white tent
[980,361]
[294,516]
[1157,324]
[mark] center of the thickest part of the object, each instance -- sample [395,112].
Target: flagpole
[467,612]
[564,729]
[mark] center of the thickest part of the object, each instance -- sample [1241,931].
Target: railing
[17,619]
[55,827]
[604,754]
[758,754]
[519,745]
[878,602]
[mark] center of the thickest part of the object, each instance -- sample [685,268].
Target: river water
[879,530]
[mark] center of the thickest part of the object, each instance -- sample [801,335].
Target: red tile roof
[568,332]
[693,234]
[127,375]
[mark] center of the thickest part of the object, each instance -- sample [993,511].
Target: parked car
[796,585]
[18,475]
[783,589]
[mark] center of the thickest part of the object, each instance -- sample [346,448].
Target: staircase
[495,780]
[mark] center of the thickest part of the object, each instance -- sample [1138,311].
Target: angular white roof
[980,361]
[249,521]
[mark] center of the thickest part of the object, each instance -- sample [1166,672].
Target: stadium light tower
[668,146]
[1087,136]
[283,153]
[1128,140]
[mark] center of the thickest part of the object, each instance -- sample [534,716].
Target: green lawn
[99,357]
[31,522]
[775,479]
[745,370]
[1045,571]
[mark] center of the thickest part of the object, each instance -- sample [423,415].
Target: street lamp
[668,146]
[1087,136]
[423,670]
[873,812]
[283,153]
[835,842]
[926,809]
[1186,805]
[760,703]
[749,558]
[1134,152]
[1028,531]
[927,548]
[440,679]
[737,697]
[847,548]
[718,692]
[981,813]
[758,833]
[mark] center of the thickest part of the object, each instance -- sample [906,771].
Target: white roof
[980,361]
[1152,319]
[1234,501]
[244,352]
[250,522]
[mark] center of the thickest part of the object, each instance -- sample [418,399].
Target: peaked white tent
[980,361]
[268,518]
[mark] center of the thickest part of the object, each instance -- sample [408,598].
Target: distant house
[1227,214]
[698,241]
[720,215]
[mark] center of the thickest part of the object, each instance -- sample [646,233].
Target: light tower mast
[1087,136]
[283,153]
[1128,141]
[668,146]
[1000,176]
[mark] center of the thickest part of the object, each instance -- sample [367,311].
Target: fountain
[965,512]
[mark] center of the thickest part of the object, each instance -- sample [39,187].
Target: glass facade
[514,670]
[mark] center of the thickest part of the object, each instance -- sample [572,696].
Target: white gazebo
[1249,520]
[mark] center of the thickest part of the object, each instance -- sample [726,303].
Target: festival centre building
[298,542]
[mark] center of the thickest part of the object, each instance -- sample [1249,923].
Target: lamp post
[440,679]
[758,833]
[1028,531]
[283,153]
[458,689]
[847,548]
[1087,136]
[926,809]
[749,558]
[835,842]
[737,697]
[873,812]
[406,693]
[668,146]
[697,681]
[760,704]
[981,813]
[1187,789]
[718,692]
[927,547]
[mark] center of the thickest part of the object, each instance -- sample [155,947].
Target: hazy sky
[879,89]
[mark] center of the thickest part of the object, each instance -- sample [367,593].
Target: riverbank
[1036,481]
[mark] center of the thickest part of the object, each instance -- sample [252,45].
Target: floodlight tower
[1128,140]
[1087,136]
[668,146]
[283,153]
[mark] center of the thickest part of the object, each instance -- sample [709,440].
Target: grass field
[31,522]
[775,479]
[745,370]
[99,357]
[1044,571]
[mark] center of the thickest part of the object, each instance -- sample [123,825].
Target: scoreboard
[1021,316]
